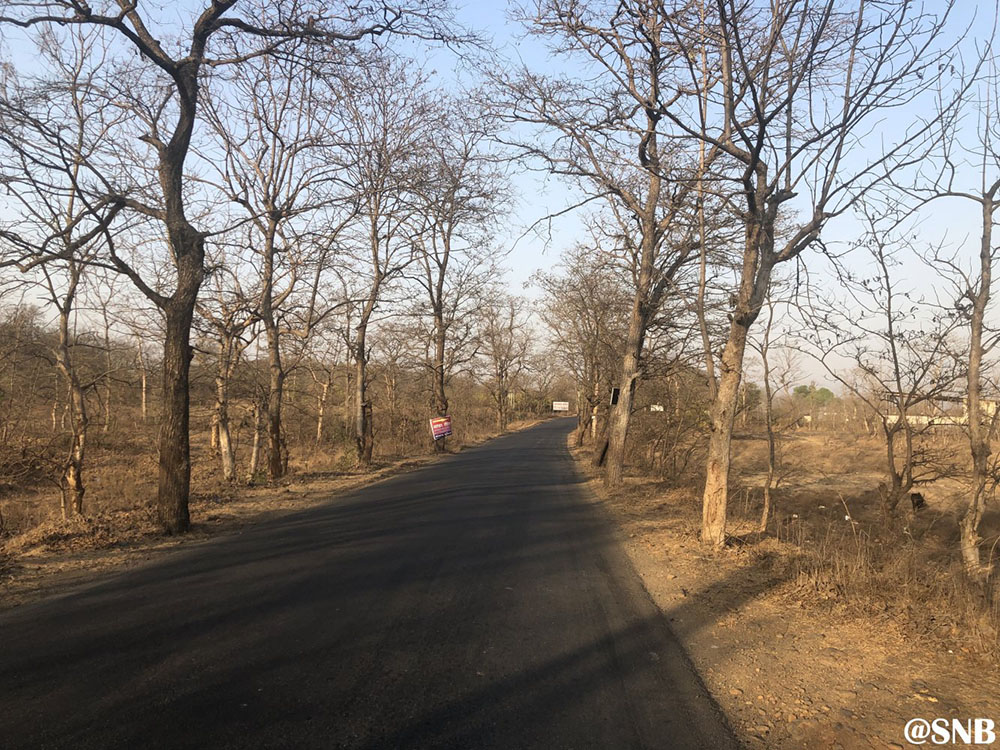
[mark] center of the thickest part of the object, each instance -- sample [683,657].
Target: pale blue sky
[954,222]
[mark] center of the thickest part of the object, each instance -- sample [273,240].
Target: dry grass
[828,633]
[879,574]
[830,529]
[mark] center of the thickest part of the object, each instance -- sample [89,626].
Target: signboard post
[560,406]
[441,427]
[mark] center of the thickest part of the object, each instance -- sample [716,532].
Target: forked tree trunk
[72,479]
[755,280]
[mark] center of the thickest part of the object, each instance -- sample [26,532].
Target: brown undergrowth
[830,631]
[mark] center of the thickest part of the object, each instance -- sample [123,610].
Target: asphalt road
[479,602]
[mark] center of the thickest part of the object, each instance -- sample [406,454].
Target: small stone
[735,691]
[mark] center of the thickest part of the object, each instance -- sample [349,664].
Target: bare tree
[273,121]
[505,345]
[229,320]
[163,68]
[898,343]
[973,159]
[50,138]
[389,121]
[796,84]
[583,310]
[606,130]
[461,201]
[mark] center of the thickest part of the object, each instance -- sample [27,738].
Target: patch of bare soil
[791,668]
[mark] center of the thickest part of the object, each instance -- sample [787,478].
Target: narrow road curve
[479,602]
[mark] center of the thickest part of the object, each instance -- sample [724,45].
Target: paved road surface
[480,602]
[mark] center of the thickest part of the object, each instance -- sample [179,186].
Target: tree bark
[175,449]
[755,280]
[364,440]
[73,486]
[440,397]
[276,461]
[258,428]
[225,443]
[979,438]
[621,413]
[723,416]
[321,410]
[142,382]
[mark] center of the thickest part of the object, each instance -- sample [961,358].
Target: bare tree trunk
[72,481]
[364,440]
[618,420]
[595,405]
[108,364]
[258,428]
[979,438]
[755,281]
[175,448]
[723,417]
[347,410]
[765,513]
[582,417]
[276,386]
[621,413]
[221,420]
[440,397]
[142,382]
[73,476]
[321,410]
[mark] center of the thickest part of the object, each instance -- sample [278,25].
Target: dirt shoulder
[59,555]
[790,667]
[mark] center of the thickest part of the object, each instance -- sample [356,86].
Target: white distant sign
[560,406]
